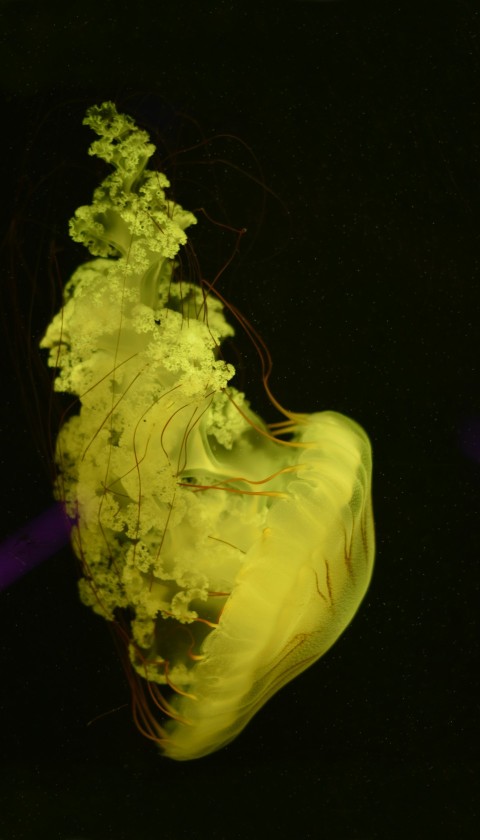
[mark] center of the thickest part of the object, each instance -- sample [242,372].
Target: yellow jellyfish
[230,554]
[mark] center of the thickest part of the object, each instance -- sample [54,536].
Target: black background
[354,164]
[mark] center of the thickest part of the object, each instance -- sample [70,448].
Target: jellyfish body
[239,557]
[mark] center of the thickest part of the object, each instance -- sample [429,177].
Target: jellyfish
[230,554]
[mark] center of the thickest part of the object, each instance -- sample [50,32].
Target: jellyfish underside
[237,556]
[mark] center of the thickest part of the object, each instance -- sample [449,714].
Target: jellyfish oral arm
[233,558]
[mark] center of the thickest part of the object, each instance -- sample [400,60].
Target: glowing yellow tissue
[228,557]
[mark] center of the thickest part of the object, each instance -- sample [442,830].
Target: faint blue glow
[33,543]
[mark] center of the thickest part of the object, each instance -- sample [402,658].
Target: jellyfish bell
[230,553]
[303,569]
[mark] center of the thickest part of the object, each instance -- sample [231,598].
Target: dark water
[361,268]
